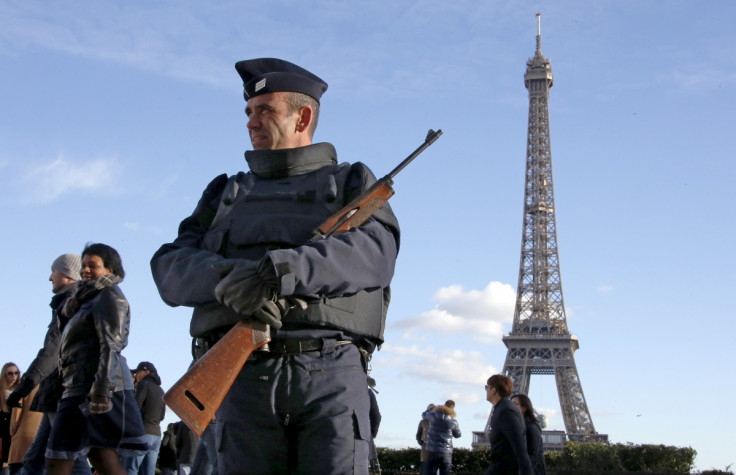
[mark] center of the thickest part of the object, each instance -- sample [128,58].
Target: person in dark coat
[442,428]
[9,380]
[167,454]
[186,448]
[249,253]
[97,414]
[421,436]
[65,272]
[534,444]
[508,431]
[150,398]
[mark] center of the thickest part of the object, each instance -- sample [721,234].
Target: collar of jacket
[290,161]
[445,410]
[59,298]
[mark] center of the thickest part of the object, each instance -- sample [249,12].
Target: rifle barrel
[431,137]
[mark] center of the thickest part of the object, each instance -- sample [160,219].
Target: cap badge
[260,85]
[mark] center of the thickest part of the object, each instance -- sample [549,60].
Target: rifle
[197,395]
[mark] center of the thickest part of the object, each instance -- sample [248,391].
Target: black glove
[271,312]
[23,389]
[14,399]
[250,288]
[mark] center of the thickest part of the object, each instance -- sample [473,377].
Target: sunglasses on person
[11,373]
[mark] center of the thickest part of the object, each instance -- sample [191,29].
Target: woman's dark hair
[526,403]
[110,257]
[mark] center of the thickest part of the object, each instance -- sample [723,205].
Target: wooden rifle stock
[197,395]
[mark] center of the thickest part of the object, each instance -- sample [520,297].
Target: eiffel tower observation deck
[540,342]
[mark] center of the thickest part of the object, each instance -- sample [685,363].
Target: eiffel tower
[539,342]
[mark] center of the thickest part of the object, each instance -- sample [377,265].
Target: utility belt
[276,347]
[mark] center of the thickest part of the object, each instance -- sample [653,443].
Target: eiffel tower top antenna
[539,34]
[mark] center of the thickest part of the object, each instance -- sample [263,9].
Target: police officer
[301,406]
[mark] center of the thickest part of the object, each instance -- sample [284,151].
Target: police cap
[264,75]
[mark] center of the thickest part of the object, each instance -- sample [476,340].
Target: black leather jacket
[90,362]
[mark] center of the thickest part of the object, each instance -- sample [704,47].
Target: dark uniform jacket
[150,398]
[90,361]
[508,441]
[272,210]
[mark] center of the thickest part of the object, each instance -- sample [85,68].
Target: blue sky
[115,115]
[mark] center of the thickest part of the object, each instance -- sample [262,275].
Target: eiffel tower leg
[516,368]
[578,422]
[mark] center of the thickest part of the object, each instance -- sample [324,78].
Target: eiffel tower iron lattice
[540,342]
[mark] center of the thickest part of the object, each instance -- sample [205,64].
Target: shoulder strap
[235,190]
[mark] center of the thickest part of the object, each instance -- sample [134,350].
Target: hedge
[576,458]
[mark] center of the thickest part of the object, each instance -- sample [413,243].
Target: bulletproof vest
[256,215]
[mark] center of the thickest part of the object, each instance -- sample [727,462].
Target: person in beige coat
[23,426]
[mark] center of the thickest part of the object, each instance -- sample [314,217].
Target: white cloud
[482,416]
[146,229]
[466,398]
[605,288]
[698,77]
[547,412]
[445,366]
[480,313]
[548,417]
[63,177]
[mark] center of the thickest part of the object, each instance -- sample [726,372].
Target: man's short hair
[297,100]
[503,384]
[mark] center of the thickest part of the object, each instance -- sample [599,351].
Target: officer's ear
[305,119]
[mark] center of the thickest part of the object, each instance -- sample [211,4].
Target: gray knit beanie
[68,264]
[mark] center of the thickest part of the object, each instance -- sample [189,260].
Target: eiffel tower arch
[540,342]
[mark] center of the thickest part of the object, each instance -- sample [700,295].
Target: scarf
[86,290]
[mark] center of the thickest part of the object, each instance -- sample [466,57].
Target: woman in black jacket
[533,433]
[97,415]
[8,382]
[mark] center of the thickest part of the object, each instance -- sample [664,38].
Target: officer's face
[270,124]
